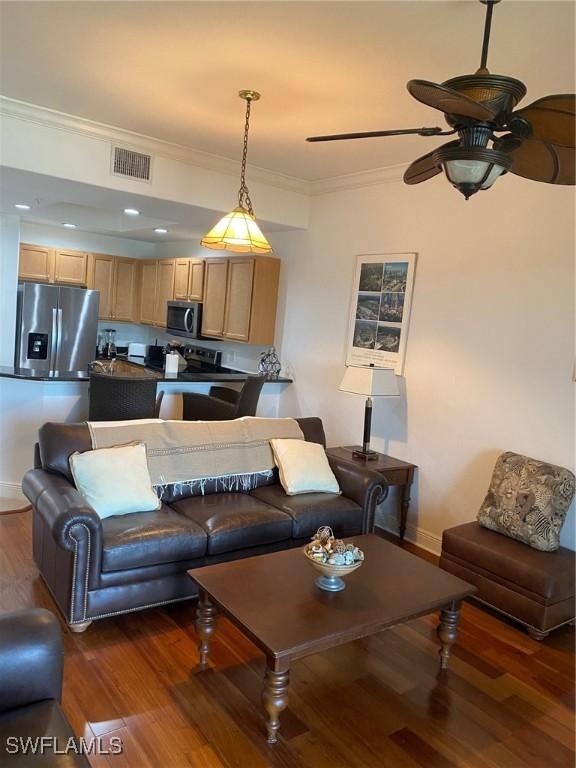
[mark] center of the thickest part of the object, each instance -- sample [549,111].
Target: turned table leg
[205,626]
[448,630]
[405,503]
[274,699]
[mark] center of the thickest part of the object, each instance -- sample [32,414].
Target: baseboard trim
[420,537]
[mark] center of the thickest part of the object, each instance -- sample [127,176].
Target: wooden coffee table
[274,601]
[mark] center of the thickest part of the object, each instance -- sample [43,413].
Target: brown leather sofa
[31,659]
[535,588]
[99,568]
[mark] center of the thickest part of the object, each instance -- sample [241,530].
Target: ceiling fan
[536,142]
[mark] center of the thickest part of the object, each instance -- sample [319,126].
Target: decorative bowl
[331,579]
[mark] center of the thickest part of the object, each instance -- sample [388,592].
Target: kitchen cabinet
[215,278]
[125,299]
[238,299]
[165,290]
[189,280]
[36,263]
[101,278]
[117,280]
[157,288]
[70,267]
[240,296]
[148,283]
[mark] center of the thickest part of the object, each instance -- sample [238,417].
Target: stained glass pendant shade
[238,230]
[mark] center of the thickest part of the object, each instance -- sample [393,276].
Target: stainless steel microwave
[184,318]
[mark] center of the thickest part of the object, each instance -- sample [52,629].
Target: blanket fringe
[223,483]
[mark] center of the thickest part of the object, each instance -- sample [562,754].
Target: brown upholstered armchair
[223,403]
[31,660]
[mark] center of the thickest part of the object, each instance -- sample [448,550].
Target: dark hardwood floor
[507,701]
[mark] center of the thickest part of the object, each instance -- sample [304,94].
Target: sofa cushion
[235,520]
[150,538]
[309,511]
[547,575]
[528,500]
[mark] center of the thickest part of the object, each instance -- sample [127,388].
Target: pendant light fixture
[238,230]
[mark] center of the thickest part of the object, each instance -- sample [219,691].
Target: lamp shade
[372,382]
[237,231]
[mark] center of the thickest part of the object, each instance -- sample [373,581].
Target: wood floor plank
[506,701]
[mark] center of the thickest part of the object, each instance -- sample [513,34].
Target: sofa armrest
[364,486]
[206,408]
[62,508]
[31,658]
[61,512]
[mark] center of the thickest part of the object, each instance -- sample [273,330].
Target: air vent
[130,164]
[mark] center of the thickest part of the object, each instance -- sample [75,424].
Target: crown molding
[50,118]
[384,175]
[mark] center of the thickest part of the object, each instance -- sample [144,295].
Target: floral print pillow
[528,500]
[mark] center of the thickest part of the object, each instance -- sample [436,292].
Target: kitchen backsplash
[243,357]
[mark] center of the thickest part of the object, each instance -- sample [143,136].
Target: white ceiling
[99,210]
[172,70]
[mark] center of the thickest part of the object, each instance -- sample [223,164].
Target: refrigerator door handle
[59,312]
[53,340]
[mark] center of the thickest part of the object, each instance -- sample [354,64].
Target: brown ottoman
[533,587]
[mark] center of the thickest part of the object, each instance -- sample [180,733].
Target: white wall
[490,352]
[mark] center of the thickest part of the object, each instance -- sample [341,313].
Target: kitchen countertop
[132,368]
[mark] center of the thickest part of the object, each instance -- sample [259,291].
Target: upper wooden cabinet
[240,296]
[165,292]
[36,263]
[189,280]
[148,282]
[52,265]
[125,299]
[215,274]
[239,299]
[157,288]
[117,280]
[70,267]
[101,278]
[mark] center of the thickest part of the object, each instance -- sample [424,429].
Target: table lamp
[372,382]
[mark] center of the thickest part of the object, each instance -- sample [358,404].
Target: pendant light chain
[243,195]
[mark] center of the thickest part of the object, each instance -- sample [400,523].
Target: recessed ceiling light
[22,206]
[68,225]
[131,212]
[160,231]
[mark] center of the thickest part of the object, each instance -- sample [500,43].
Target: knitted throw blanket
[189,453]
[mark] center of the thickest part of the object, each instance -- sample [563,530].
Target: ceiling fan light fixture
[470,170]
[238,230]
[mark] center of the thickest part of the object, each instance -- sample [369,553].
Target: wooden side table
[396,472]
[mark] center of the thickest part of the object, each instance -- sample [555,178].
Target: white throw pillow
[303,467]
[115,481]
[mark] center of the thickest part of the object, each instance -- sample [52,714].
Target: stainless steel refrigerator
[56,328]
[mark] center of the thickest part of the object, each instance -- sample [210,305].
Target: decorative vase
[269,364]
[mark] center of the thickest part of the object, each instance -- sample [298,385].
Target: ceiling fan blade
[552,119]
[448,100]
[373,134]
[540,160]
[422,169]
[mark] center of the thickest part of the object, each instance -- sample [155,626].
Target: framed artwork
[380,310]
